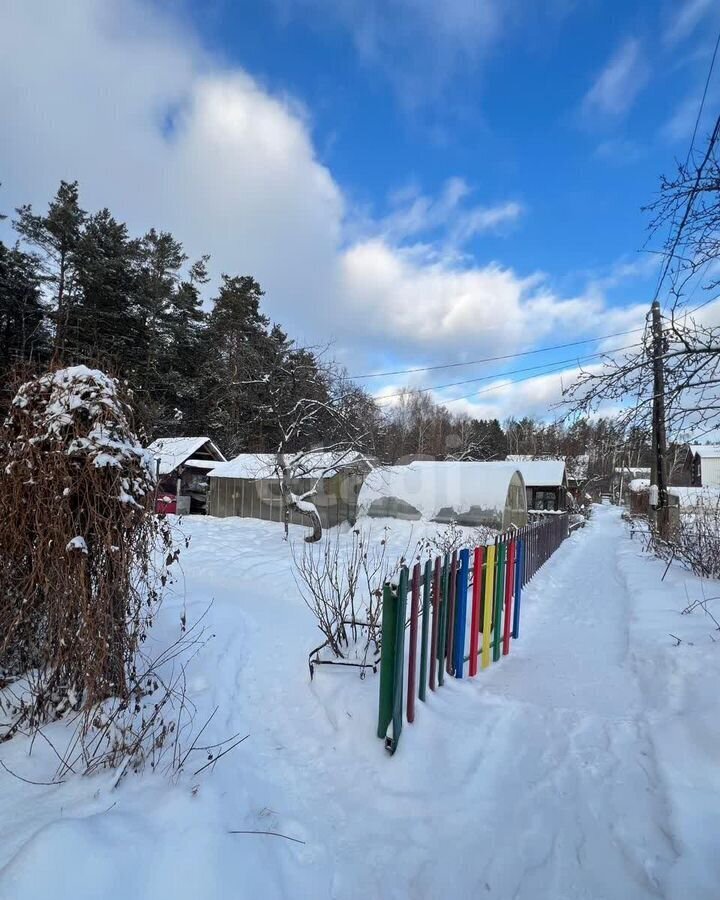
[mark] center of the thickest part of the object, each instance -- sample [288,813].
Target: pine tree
[55,237]
[23,328]
[239,352]
[104,325]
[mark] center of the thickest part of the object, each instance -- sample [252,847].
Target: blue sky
[416,182]
[512,119]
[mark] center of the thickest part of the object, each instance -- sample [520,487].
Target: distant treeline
[77,287]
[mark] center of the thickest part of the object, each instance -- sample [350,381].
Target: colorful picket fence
[485,584]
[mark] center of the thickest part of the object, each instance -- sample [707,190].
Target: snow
[61,403]
[207,464]
[77,543]
[429,487]
[173,452]
[312,464]
[542,472]
[705,451]
[636,485]
[696,496]
[584,765]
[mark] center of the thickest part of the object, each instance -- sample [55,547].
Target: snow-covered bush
[694,540]
[454,537]
[341,582]
[78,584]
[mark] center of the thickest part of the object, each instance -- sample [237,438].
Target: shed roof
[430,487]
[173,452]
[705,451]
[638,484]
[313,464]
[542,472]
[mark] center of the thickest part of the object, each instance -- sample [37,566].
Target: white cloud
[620,151]
[538,396]
[417,45]
[618,84]
[680,125]
[687,16]
[165,135]
[414,214]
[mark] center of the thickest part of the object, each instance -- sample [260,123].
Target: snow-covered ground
[585,765]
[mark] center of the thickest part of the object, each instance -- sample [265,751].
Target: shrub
[78,584]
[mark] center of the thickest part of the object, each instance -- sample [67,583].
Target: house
[701,467]
[249,486]
[182,465]
[468,493]
[545,482]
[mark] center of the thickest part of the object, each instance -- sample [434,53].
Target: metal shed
[248,486]
[469,493]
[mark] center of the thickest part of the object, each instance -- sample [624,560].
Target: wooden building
[701,467]
[183,465]
[545,483]
[249,486]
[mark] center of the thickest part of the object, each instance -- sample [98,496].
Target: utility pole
[659,435]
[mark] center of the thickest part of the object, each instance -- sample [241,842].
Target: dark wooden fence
[487,582]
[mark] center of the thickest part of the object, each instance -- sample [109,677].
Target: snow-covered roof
[314,464]
[173,452]
[705,451]
[542,472]
[634,471]
[638,484]
[431,487]
[207,464]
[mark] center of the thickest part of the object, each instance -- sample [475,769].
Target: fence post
[437,612]
[392,740]
[509,579]
[452,590]
[475,614]
[487,611]
[499,591]
[519,560]
[461,612]
[412,655]
[422,691]
[443,620]
[387,659]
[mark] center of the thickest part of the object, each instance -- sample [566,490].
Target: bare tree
[689,205]
[306,410]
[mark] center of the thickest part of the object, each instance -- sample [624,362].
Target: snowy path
[536,780]
[558,773]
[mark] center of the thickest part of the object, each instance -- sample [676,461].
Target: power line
[702,101]
[701,305]
[561,363]
[669,255]
[486,359]
[499,387]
